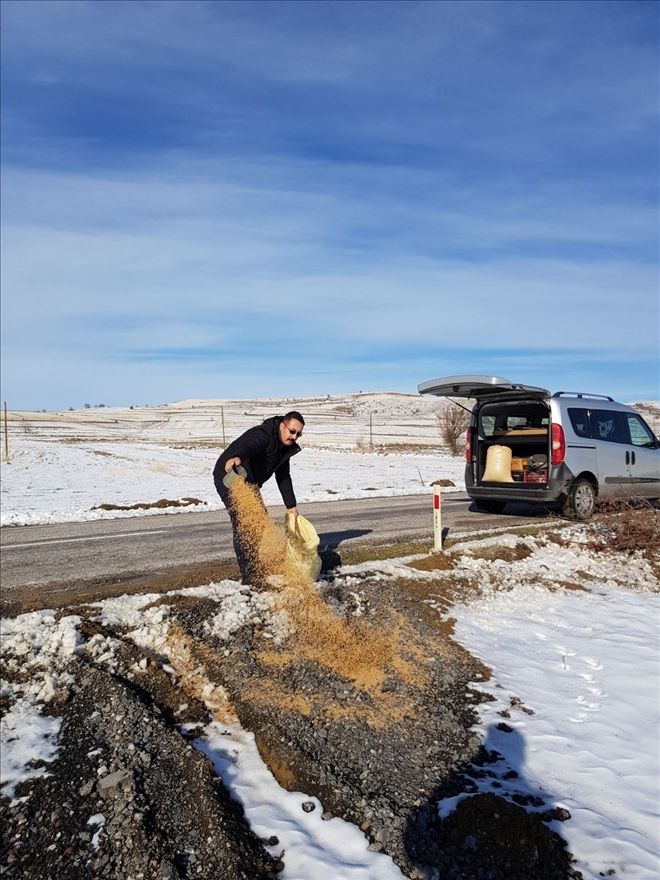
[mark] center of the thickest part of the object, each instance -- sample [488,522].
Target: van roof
[582,394]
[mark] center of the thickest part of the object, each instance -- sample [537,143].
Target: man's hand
[292,510]
[230,463]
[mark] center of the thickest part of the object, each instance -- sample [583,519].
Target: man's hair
[294,414]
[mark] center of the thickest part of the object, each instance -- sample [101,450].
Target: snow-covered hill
[64,465]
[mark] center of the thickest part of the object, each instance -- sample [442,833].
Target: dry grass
[373,552]
[625,526]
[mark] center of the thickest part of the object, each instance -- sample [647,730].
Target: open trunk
[521,426]
[508,418]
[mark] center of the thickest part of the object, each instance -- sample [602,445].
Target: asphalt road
[145,545]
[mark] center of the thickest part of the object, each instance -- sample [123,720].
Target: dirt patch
[61,595]
[430,600]
[498,551]
[553,532]
[371,552]
[568,585]
[150,505]
[368,704]
[286,776]
[433,562]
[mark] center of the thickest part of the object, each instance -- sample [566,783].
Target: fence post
[371,432]
[437,519]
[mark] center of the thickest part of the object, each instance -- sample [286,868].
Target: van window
[519,422]
[499,418]
[640,433]
[609,425]
[580,421]
[488,425]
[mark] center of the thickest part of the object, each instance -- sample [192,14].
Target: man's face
[290,431]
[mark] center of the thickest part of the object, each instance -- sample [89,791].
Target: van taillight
[558,444]
[468,446]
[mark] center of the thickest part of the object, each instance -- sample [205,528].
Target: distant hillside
[381,418]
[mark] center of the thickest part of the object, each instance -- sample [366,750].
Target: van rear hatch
[510,424]
[479,388]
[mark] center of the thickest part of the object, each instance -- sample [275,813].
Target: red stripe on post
[436,501]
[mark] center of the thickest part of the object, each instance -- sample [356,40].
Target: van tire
[490,506]
[581,501]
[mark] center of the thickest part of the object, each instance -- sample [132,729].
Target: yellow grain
[354,649]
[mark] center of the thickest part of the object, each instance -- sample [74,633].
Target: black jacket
[262,455]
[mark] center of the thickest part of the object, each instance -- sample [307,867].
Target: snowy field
[574,671]
[587,665]
[584,661]
[50,482]
[63,465]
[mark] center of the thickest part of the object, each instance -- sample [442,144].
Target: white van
[563,449]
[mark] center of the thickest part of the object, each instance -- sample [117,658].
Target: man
[263,451]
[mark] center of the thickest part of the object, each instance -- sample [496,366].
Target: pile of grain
[351,648]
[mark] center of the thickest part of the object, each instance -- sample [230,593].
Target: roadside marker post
[437,519]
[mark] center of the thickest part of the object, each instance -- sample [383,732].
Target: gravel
[129,797]
[154,827]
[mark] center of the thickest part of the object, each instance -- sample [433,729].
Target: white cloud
[191,178]
[159,249]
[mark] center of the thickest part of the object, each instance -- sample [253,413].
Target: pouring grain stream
[352,648]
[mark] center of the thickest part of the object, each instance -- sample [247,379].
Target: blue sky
[210,199]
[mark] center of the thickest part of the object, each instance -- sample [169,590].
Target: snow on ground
[575,671]
[50,482]
[313,847]
[587,664]
[62,465]
[41,645]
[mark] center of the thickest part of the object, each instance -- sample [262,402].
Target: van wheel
[490,506]
[581,501]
